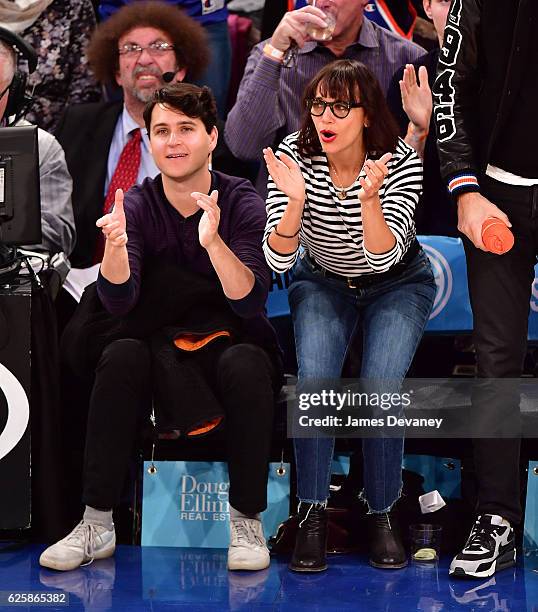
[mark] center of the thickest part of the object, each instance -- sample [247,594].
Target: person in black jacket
[485,99]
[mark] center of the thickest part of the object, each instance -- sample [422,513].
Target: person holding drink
[330,12]
[344,188]
[268,105]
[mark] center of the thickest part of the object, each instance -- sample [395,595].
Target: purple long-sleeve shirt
[157,230]
[268,105]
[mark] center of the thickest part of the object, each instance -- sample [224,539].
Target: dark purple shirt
[157,230]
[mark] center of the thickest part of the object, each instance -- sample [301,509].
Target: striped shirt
[268,105]
[331,229]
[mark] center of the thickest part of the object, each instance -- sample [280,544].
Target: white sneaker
[93,585]
[489,548]
[248,550]
[84,544]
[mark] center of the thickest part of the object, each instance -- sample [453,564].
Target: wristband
[286,236]
[463,182]
[273,52]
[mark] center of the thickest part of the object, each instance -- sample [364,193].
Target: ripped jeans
[392,315]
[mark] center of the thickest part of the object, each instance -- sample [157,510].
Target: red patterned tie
[124,177]
[126,171]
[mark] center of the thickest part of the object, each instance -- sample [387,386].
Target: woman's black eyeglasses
[339,109]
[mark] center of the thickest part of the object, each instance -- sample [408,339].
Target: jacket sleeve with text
[455,96]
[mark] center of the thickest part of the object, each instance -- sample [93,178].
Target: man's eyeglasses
[339,109]
[155,49]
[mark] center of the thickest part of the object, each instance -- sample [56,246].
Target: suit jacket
[85,133]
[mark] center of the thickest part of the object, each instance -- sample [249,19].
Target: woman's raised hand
[417,97]
[376,171]
[286,175]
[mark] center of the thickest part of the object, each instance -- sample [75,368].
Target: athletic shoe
[245,589]
[84,544]
[490,548]
[485,595]
[248,550]
[93,585]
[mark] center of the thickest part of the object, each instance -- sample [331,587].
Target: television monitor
[20,202]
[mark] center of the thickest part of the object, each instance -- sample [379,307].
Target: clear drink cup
[331,12]
[425,542]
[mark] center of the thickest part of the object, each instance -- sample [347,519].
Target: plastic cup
[425,542]
[496,236]
[331,12]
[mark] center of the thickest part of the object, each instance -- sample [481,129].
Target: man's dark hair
[193,101]
[350,81]
[187,36]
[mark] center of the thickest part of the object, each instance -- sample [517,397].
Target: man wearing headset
[57,223]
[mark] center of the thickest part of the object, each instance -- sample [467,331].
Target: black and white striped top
[331,229]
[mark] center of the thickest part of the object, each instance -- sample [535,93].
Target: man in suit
[134,50]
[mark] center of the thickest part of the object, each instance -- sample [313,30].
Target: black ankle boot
[386,548]
[310,552]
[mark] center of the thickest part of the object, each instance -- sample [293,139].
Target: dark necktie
[124,177]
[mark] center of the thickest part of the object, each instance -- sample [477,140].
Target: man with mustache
[133,50]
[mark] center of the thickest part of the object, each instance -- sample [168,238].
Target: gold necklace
[341,192]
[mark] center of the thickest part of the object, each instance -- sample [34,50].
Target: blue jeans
[326,312]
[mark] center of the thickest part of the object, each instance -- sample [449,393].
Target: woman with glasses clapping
[341,197]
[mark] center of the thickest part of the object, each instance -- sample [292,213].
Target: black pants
[245,383]
[500,291]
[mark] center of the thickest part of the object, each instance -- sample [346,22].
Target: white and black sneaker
[490,548]
[479,596]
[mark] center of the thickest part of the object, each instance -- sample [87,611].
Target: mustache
[154,71]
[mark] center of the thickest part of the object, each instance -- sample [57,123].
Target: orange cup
[496,236]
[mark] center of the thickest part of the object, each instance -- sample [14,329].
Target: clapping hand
[113,225]
[209,223]
[286,175]
[376,171]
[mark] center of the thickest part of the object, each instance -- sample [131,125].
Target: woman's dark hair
[187,36]
[193,101]
[350,81]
